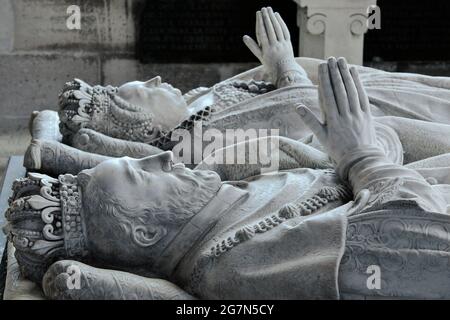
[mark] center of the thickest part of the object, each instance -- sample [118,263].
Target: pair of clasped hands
[347,121]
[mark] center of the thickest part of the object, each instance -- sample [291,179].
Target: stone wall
[32,81]
[38,54]
[106,25]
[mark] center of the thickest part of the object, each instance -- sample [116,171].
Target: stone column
[333,28]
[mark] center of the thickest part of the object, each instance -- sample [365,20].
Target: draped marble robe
[402,237]
[398,221]
[410,242]
[416,106]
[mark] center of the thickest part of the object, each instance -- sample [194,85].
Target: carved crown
[45,222]
[101,109]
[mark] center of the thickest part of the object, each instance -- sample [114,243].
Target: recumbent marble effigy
[148,115]
[358,189]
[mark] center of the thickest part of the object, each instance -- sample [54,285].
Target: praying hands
[273,48]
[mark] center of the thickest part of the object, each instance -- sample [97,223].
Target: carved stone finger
[339,91]
[253,47]
[362,95]
[276,25]
[352,93]
[286,33]
[261,33]
[270,31]
[326,95]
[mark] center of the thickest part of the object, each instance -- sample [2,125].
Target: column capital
[341,24]
[340,4]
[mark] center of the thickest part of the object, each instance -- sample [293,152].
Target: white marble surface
[333,28]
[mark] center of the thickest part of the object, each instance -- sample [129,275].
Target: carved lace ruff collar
[198,227]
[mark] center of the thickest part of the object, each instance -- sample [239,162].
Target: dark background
[204,30]
[192,31]
[410,31]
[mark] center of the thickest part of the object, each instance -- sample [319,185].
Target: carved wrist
[290,77]
[356,156]
[288,72]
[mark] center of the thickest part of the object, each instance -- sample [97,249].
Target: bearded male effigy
[363,180]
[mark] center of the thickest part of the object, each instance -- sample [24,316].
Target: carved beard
[199,189]
[199,178]
[118,218]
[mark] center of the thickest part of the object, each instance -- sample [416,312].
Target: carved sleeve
[290,74]
[94,142]
[293,77]
[388,182]
[264,155]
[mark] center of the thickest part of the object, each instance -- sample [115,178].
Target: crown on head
[101,109]
[45,222]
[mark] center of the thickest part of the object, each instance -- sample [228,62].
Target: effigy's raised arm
[349,137]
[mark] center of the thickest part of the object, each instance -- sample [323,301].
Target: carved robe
[294,235]
[416,106]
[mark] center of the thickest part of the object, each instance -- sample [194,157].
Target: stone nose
[154,82]
[159,160]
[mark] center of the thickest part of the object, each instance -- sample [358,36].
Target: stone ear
[145,236]
[83,178]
